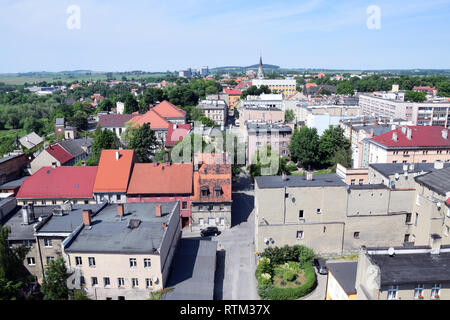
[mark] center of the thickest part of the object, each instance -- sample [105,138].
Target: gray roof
[212,105]
[378,130]
[84,142]
[59,121]
[438,180]
[345,274]
[390,169]
[31,140]
[10,157]
[265,127]
[13,184]
[109,234]
[319,180]
[418,268]
[193,271]
[71,147]
[367,186]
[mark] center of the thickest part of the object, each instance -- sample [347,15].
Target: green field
[12,132]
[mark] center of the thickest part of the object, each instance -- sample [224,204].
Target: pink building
[260,114]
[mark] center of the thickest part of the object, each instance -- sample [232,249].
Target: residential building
[398,273]
[314,91]
[353,176]
[115,122]
[13,186]
[51,186]
[216,110]
[140,248]
[233,97]
[287,87]
[170,112]
[341,280]
[176,133]
[113,175]
[261,134]
[157,123]
[31,141]
[169,182]
[260,114]
[211,201]
[12,166]
[409,144]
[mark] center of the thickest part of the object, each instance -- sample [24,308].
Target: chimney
[395,136]
[120,210]
[27,214]
[158,212]
[83,163]
[54,165]
[117,155]
[164,225]
[87,217]
[284,176]
[436,244]
[409,133]
[309,176]
[438,165]
[445,134]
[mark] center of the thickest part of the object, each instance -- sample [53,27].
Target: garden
[285,273]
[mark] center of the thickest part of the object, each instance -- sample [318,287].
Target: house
[113,175]
[157,123]
[170,112]
[56,185]
[153,182]
[341,280]
[176,133]
[138,239]
[12,166]
[410,144]
[62,153]
[398,273]
[211,201]
[12,186]
[31,141]
[216,110]
[233,97]
[114,122]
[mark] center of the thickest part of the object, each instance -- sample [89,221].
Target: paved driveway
[319,292]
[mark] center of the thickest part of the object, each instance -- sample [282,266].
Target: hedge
[271,292]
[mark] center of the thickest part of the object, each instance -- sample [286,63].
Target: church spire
[260,69]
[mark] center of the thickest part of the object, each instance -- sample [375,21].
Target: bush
[289,275]
[282,255]
[283,283]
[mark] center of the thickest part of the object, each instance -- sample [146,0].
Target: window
[47,243]
[147,263]
[78,261]
[218,192]
[201,221]
[222,207]
[148,283]
[361,182]
[133,263]
[356,235]
[119,197]
[352,182]
[82,281]
[300,214]
[50,259]
[418,292]
[222,221]
[392,293]
[318,211]
[210,207]
[121,282]
[406,238]
[436,291]
[184,205]
[31,261]
[417,219]
[134,282]
[204,191]
[408,218]
[28,243]
[106,282]
[94,281]
[91,261]
[300,235]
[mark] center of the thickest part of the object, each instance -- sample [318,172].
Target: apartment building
[233,97]
[260,114]
[427,113]
[327,215]
[138,239]
[12,166]
[409,144]
[216,110]
[114,122]
[287,87]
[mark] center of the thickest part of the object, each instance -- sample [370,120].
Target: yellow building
[233,97]
[341,280]
[287,87]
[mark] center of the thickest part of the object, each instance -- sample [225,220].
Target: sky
[172,35]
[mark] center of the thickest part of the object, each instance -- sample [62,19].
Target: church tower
[260,69]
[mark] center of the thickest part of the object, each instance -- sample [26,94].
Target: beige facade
[44,159]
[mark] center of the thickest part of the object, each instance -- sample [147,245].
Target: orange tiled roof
[169,110]
[150,178]
[309,85]
[113,175]
[153,118]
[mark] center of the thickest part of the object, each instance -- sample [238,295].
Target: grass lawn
[322,171]
[12,132]
[279,275]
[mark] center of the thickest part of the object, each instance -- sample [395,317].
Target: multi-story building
[287,87]
[12,166]
[409,144]
[427,113]
[277,136]
[125,251]
[114,122]
[170,112]
[216,110]
[260,114]
[211,202]
[113,175]
[233,97]
[57,185]
[169,182]
[341,280]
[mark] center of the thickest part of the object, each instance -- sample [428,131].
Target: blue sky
[172,35]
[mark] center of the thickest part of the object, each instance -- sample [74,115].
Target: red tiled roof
[233,92]
[161,179]
[113,175]
[176,133]
[152,117]
[422,136]
[169,110]
[59,153]
[59,183]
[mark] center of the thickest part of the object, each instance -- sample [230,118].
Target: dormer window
[218,191]
[204,191]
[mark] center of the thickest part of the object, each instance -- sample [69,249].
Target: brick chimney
[87,217]
[120,210]
[158,211]
[164,225]
[117,155]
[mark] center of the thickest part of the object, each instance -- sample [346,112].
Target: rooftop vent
[117,155]
[134,223]
[438,165]
[395,136]
[445,134]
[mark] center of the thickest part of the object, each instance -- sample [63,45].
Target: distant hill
[241,68]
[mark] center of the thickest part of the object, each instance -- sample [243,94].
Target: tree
[144,143]
[331,141]
[207,121]
[54,286]
[344,157]
[131,105]
[415,96]
[304,146]
[103,140]
[106,105]
[345,88]
[444,89]
[289,115]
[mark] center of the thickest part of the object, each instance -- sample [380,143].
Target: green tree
[289,115]
[345,87]
[106,105]
[444,89]
[331,141]
[344,157]
[207,121]
[103,140]
[415,96]
[144,143]
[54,286]
[131,105]
[304,146]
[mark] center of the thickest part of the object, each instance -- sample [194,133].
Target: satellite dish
[154,279]
[438,204]
[391,251]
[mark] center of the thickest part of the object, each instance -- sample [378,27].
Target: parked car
[210,231]
[320,265]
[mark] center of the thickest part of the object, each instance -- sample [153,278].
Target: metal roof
[319,180]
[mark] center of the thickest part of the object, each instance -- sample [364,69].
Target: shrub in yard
[283,283]
[289,275]
[282,255]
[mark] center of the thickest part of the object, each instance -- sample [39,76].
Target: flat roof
[319,180]
[390,169]
[345,273]
[14,183]
[438,180]
[193,271]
